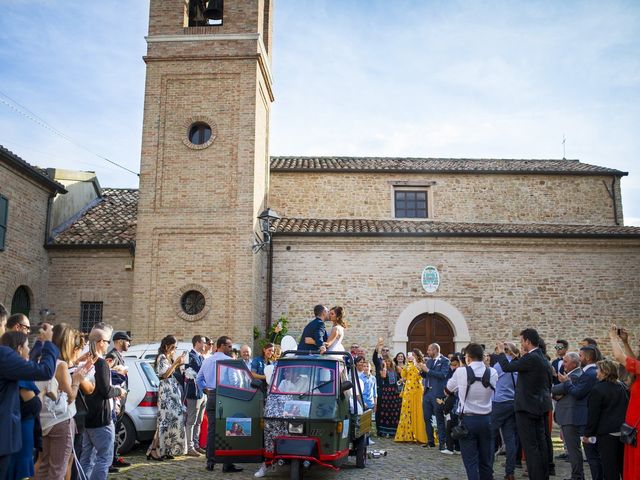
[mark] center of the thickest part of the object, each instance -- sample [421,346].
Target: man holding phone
[13,368]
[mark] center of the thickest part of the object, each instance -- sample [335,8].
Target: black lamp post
[267,217]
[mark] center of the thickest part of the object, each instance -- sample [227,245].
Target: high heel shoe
[151,456]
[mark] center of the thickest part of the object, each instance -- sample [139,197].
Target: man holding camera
[475,385]
[532,400]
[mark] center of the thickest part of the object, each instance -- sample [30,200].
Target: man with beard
[115,359]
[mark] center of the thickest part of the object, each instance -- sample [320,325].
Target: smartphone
[36,329]
[619,331]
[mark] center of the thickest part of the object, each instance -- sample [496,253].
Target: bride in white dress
[334,342]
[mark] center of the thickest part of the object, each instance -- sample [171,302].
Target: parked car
[141,412]
[149,351]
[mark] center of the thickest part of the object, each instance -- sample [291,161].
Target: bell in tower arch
[203,12]
[214,9]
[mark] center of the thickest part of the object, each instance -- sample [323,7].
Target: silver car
[141,413]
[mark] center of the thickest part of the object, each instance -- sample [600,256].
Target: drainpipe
[612,195]
[48,220]
[269,284]
[615,201]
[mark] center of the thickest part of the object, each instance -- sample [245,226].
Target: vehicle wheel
[360,446]
[125,436]
[296,470]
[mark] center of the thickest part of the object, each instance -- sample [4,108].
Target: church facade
[415,249]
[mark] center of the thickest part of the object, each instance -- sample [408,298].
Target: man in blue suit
[315,333]
[580,390]
[13,368]
[435,374]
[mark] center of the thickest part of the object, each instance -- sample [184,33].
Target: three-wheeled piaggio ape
[313,414]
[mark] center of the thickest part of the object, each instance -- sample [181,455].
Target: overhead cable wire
[25,112]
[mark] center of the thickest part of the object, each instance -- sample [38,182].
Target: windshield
[303,380]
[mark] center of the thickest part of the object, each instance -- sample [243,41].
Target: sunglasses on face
[559,347]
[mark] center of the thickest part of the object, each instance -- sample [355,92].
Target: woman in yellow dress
[411,427]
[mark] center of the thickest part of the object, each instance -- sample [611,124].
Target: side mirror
[346,385]
[255,383]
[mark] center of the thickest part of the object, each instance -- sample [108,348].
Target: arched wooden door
[430,328]
[21,302]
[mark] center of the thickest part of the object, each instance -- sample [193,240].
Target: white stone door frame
[455,318]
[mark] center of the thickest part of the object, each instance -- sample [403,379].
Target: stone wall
[569,199]
[24,259]
[92,275]
[564,288]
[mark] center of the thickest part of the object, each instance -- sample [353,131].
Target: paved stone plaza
[403,461]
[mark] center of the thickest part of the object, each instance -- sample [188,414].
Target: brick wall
[92,275]
[456,197]
[564,288]
[24,259]
[198,206]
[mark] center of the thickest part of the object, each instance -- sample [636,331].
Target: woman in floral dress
[411,427]
[171,426]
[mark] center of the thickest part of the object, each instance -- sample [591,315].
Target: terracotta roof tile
[112,222]
[363,227]
[437,165]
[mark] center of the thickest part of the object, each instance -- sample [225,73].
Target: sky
[408,78]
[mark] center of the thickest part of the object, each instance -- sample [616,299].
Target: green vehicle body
[313,414]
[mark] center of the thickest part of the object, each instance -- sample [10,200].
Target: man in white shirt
[207,381]
[474,410]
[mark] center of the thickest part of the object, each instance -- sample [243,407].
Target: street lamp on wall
[267,217]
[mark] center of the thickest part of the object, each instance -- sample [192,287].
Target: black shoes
[120,463]
[231,469]
[210,466]
[429,445]
[113,469]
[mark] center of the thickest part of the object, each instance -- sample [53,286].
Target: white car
[149,351]
[141,412]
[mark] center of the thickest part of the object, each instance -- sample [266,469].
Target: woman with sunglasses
[171,434]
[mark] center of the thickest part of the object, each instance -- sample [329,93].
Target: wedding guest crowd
[468,403]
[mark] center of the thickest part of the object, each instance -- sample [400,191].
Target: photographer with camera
[13,368]
[475,385]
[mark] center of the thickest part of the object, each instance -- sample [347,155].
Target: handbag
[629,434]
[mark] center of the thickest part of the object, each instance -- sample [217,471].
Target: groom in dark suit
[533,400]
[315,333]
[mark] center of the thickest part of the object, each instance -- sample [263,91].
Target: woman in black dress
[389,401]
[607,408]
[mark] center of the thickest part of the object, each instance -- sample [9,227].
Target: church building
[221,238]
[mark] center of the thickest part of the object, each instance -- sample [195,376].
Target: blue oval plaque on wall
[430,279]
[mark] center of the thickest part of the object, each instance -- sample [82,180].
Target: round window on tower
[192,302]
[200,132]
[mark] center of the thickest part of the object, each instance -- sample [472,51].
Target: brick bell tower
[204,170]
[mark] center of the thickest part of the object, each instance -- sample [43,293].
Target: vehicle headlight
[296,427]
